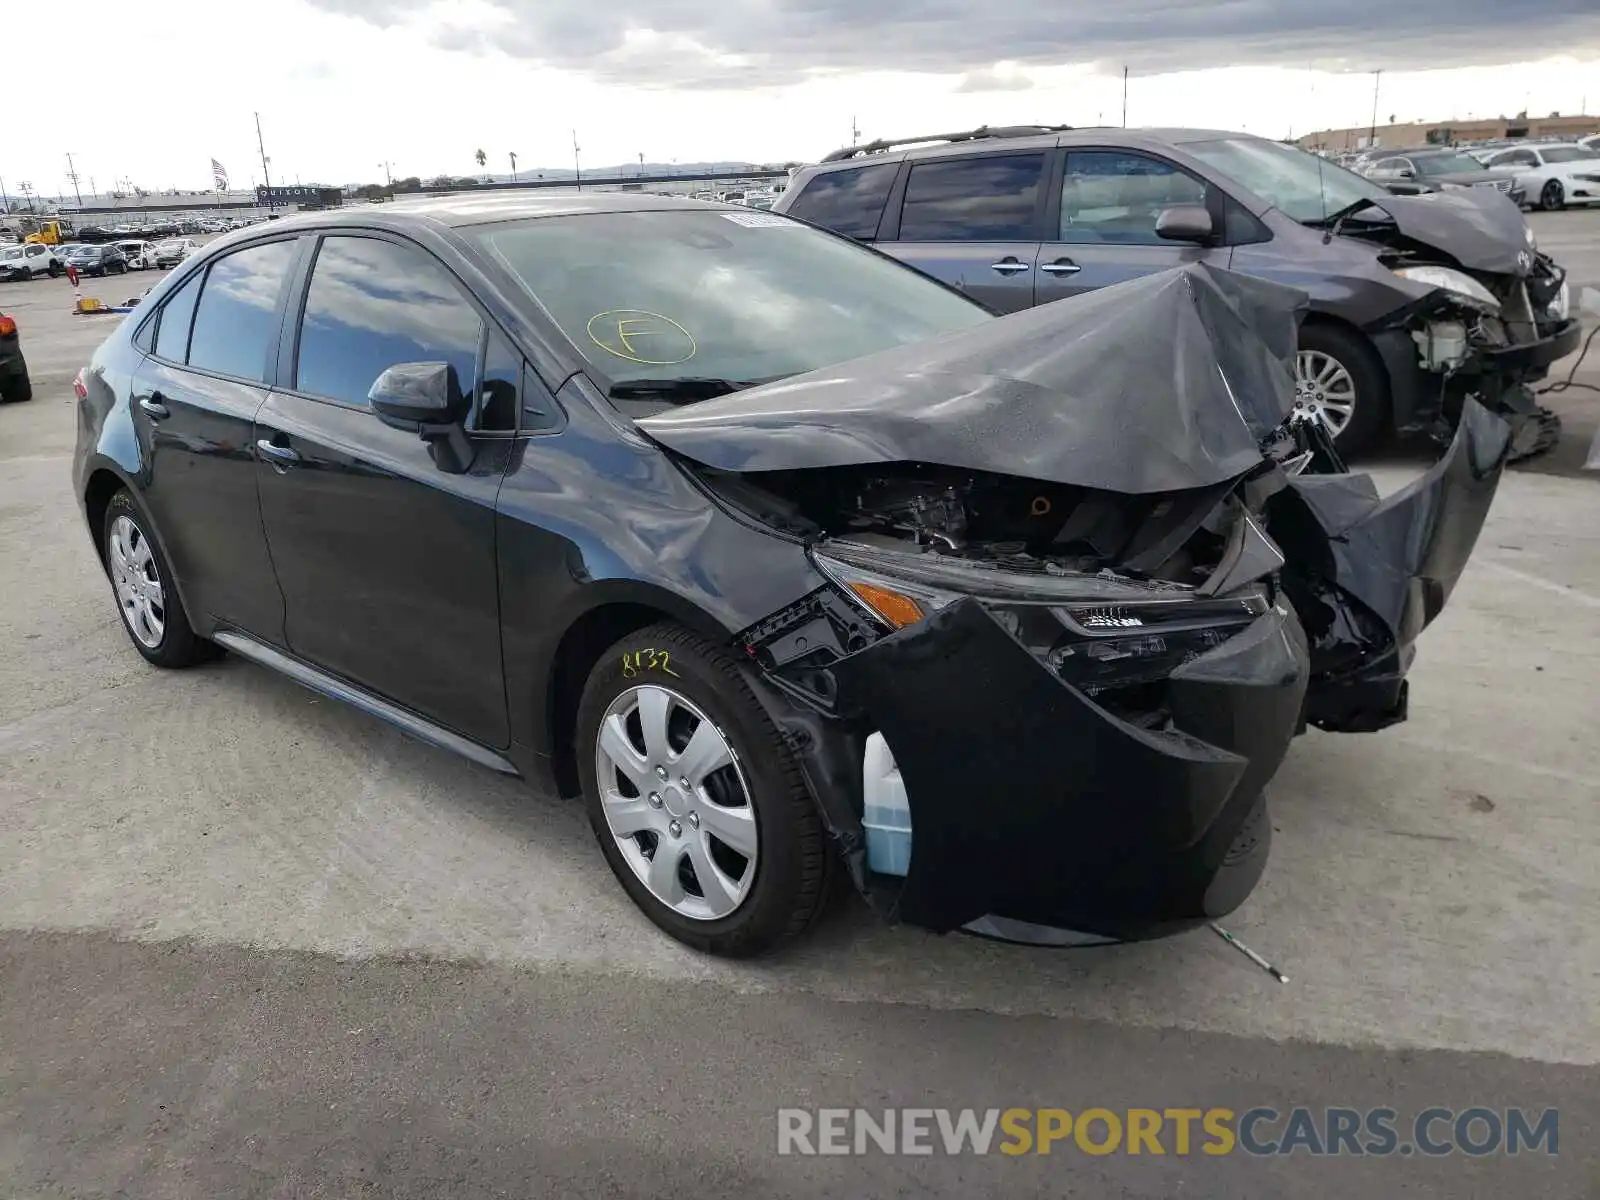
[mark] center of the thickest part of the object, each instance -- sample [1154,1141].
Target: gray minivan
[1416,302]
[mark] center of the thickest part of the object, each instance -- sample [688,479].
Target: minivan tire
[1369,418]
[793,862]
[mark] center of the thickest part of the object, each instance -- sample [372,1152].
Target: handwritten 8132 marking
[648,659]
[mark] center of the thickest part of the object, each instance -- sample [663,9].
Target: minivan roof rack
[970,135]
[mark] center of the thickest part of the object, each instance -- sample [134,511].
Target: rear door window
[847,201]
[374,304]
[172,336]
[992,198]
[236,321]
[1115,197]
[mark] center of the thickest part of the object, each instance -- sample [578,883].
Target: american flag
[219,174]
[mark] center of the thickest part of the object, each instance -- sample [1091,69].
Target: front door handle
[1061,266]
[1008,266]
[281,457]
[155,405]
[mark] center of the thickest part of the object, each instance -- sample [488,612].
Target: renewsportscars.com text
[1377,1132]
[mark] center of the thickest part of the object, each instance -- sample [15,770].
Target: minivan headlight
[1457,283]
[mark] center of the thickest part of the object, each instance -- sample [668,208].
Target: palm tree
[513,166]
[482,158]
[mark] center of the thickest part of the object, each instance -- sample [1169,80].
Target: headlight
[1527,232]
[1561,307]
[1457,283]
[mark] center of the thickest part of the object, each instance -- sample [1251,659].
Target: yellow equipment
[46,233]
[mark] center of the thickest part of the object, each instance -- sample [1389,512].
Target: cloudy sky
[343,86]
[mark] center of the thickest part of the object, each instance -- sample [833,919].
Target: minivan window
[374,304]
[1112,196]
[735,295]
[987,199]
[172,338]
[848,201]
[237,317]
[1303,186]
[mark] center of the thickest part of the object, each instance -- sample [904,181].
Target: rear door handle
[281,457]
[1008,266]
[1061,266]
[155,405]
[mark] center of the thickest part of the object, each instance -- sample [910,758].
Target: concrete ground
[255,943]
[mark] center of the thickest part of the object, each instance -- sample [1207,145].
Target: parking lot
[252,939]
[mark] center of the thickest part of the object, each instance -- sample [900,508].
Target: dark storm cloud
[780,41]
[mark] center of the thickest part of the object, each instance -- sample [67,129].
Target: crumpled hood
[1479,228]
[1163,383]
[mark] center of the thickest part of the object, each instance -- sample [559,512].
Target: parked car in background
[140,255]
[28,260]
[171,253]
[500,471]
[1399,285]
[100,260]
[14,383]
[1423,171]
[1552,176]
[1591,143]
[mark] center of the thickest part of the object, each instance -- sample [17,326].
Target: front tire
[142,583]
[1340,378]
[1552,197]
[678,758]
[54,270]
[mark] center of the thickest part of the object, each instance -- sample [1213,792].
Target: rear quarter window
[848,201]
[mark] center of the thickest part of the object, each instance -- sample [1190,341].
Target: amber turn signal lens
[7,326]
[894,608]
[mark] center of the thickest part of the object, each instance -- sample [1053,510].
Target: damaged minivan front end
[1082,578]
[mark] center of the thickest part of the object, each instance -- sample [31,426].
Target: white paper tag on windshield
[761,220]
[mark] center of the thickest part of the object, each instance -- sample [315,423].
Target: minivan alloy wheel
[1324,388]
[676,801]
[137,581]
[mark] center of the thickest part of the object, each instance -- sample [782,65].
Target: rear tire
[127,529]
[16,388]
[790,860]
[1369,414]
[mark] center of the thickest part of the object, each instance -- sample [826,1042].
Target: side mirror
[425,398]
[1185,223]
[409,395]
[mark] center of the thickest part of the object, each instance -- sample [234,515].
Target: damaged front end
[1489,315]
[1044,681]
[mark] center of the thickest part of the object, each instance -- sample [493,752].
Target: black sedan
[14,383]
[785,557]
[103,260]
[1417,172]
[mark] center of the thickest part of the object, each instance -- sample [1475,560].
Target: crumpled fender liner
[1030,801]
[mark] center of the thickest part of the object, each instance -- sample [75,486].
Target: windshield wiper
[684,390]
[1336,219]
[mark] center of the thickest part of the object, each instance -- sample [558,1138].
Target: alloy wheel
[137,582]
[1324,389]
[1553,196]
[676,801]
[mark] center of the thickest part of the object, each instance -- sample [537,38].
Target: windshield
[1303,186]
[1559,154]
[741,296]
[1446,164]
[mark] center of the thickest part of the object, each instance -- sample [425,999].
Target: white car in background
[28,260]
[171,253]
[141,255]
[1552,176]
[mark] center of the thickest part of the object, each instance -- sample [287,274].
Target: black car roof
[459,209]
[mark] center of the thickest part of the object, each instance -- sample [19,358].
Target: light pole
[1372,130]
[577,171]
[513,166]
[388,176]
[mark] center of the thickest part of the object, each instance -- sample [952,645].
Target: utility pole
[855,134]
[641,164]
[266,178]
[577,169]
[388,176]
[5,204]
[1372,130]
[72,174]
[513,154]
[1124,97]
